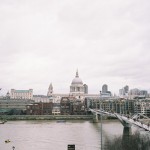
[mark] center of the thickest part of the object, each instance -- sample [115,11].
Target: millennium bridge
[126,121]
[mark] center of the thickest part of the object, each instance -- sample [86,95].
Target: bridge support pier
[126,137]
[95,118]
[127,131]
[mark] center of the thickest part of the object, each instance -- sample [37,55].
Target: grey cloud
[46,41]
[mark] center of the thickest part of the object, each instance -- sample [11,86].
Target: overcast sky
[44,41]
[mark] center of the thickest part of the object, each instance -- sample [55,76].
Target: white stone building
[77,87]
[41,98]
[21,94]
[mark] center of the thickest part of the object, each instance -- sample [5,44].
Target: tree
[136,141]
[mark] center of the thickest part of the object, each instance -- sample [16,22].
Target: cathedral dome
[77,80]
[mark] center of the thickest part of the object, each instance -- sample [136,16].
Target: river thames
[51,135]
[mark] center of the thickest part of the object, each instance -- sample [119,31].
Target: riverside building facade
[77,101]
[21,94]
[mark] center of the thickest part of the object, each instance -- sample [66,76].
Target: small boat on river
[7,141]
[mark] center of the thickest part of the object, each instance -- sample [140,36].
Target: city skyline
[101,89]
[43,42]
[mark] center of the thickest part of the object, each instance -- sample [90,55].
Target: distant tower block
[104,88]
[126,89]
[50,90]
[85,89]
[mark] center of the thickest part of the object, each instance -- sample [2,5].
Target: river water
[51,135]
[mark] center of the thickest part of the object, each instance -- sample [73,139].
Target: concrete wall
[46,117]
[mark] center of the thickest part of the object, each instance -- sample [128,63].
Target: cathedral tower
[50,90]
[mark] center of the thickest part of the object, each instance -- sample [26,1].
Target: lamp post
[101,122]
[13,147]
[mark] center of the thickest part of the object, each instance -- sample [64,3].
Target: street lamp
[13,147]
[101,121]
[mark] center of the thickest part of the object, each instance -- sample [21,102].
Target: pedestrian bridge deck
[126,121]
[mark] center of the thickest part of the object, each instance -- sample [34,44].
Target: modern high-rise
[126,89]
[104,88]
[105,92]
[85,89]
[124,92]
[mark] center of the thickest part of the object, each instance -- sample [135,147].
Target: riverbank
[46,117]
[51,117]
